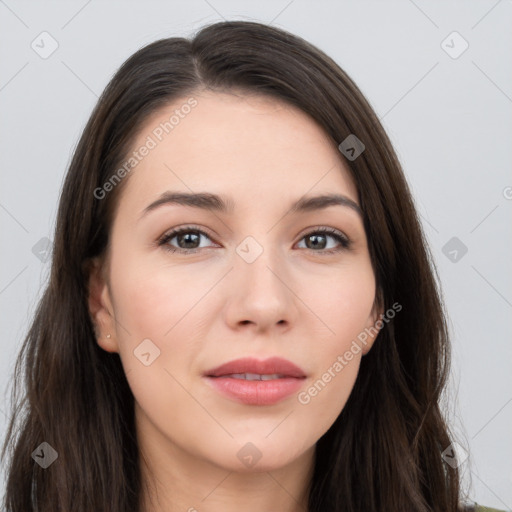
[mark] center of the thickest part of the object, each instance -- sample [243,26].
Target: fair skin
[202,309]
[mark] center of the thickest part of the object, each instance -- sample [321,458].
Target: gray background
[449,117]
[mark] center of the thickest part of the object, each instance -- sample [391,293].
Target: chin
[255,454]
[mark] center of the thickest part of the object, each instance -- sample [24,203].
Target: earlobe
[100,307]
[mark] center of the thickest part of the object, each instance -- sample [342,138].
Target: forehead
[251,147]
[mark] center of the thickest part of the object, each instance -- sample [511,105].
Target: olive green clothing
[481,508]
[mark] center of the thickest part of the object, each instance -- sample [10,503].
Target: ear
[100,306]
[373,326]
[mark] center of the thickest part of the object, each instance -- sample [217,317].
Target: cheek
[163,303]
[345,308]
[155,300]
[343,303]
[156,303]
[325,398]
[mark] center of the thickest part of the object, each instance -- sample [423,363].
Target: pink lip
[257,392]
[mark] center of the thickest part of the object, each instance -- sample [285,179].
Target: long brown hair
[384,451]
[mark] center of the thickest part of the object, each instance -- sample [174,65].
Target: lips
[272,366]
[254,382]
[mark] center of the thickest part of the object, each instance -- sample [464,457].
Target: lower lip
[256,392]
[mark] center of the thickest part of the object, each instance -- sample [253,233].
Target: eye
[188,240]
[317,240]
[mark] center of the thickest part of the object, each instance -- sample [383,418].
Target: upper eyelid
[176,231]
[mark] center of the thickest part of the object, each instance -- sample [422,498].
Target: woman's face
[259,281]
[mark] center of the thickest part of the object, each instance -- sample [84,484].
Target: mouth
[254,376]
[253,382]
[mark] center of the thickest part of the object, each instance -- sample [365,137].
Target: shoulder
[480,508]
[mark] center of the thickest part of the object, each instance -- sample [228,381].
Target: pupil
[316,244]
[188,237]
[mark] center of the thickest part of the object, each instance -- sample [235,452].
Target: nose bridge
[262,294]
[258,262]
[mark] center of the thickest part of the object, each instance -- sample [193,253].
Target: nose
[260,294]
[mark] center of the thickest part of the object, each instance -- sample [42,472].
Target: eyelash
[163,241]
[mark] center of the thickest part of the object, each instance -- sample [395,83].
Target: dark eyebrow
[307,204]
[203,200]
[217,203]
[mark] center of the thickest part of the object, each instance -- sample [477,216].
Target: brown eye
[187,240]
[317,241]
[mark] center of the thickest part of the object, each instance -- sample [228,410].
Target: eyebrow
[214,202]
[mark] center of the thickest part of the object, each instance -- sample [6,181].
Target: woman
[242,310]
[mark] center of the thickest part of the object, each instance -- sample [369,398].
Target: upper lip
[273,365]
